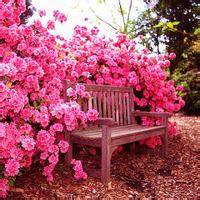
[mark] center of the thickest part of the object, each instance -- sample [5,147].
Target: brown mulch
[146,175]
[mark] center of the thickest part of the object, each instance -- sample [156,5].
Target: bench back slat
[113,105]
[109,103]
[117,107]
[124,108]
[99,95]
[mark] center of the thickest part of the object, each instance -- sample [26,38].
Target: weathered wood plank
[85,141]
[120,109]
[104,105]
[85,106]
[118,132]
[94,100]
[105,154]
[124,108]
[108,104]
[117,107]
[137,137]
[131,103]
[90,103]
[105,88]
[100,103]
[128,109]
[113,105]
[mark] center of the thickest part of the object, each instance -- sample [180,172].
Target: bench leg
[105,164]
[165,143]
[68,156]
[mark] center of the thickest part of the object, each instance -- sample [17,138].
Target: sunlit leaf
[197,31]
[170,25]
[165,27]
[175,23]
[158,25]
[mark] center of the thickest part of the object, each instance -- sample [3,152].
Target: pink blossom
[44,155]
[71,92]
[2,130]
[92,115]
[167,63]
[42,13]
[28,143]
[63,146]
[172,55]
[53,159]
[100,81]
[79,173]
[179,88]
[12,167]
[51,24]
[4,187]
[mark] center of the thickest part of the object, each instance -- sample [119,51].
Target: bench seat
[119,134]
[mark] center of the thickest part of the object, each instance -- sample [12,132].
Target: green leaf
[11,182]
[165,27]
[175,23]
[170,25]
[197,31]
[173,29]
[158,25]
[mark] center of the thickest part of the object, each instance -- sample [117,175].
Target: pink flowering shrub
[33,67]
[78,168]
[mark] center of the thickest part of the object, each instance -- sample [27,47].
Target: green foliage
[167,26]
[11,181]
[187,74]
[197,31]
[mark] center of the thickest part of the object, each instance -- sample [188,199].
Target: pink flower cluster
[78,168]
[92,115]
[61,17]
[4,187]
[78,92]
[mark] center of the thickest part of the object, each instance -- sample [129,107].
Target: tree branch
[129,11]
[122,14]
[103,20]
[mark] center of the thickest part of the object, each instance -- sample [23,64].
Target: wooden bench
[116,125]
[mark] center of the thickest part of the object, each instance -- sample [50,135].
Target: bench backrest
[111,102]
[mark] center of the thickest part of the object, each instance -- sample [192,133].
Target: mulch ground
[145,175]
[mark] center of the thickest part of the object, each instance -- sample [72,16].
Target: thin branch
[122,14]
[129,11]
[103,20]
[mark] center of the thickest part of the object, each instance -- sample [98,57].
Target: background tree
[179,38]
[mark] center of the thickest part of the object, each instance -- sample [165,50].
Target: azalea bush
[34,65]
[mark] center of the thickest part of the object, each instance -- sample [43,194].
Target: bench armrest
[152,114]
[105,121]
